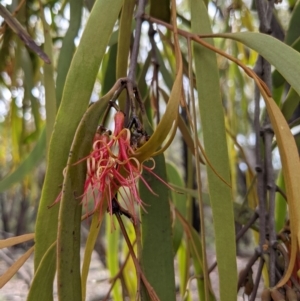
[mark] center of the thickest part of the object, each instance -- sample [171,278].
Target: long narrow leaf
[76,96]
[179,201]
[167,121]
[90,244]
[124,44]
[283,57]
[5,243]
[68,238]
[15,267]
[49,82]
[113,250]
[68,47]
[290,169]
[42,284]
[214,135]
[157,250]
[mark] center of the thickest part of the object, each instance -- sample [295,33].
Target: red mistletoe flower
[111,166]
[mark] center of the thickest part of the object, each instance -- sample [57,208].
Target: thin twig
[116,277]
[154,82]
[271,187]
[265,11]
[261,8]
[243,274]
[269,12]
[15,25]
[140,273]
[119,87]
[247,226]
[257,279]
[278,189]
[199,39]
[259,168]
[137,37]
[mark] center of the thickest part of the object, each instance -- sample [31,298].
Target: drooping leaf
[167,121]
[277,78]
[283,57]
[68,236]
[214,136]
[78,88]
[157,250]
[290,169]
[293,32]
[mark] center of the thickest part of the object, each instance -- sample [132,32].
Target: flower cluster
[111,165]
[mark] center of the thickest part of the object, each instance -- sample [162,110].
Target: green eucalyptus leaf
[290,104]
[157,250]
[124,44]
[293,32]
[179,201]
[108,69]
[214,136]
[68,47]
[76,96]
[49,81]
[282,56]
[113,253]
[95,227]
[166,123]
[42,283]
[68,236]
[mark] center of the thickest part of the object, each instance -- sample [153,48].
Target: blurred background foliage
[57,27]
[22,106]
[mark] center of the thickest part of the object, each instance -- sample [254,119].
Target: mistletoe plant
[97,169]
